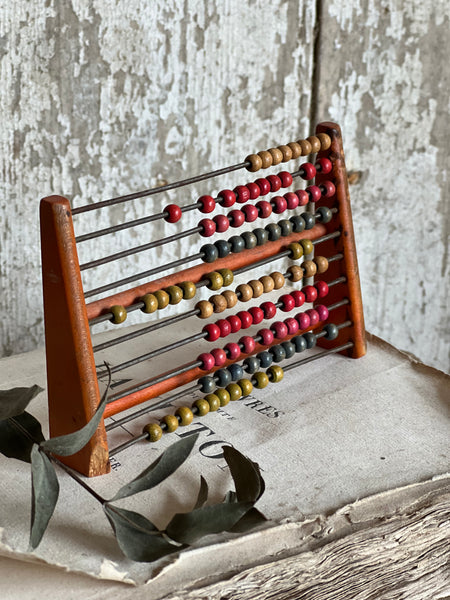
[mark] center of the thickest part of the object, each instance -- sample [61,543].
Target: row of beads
[275,156]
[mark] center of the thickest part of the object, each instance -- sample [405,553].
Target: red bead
[279,204]
[222,223]
[213,332]
[224,326]
[208,204]
[220,357]
[235,323]
[322,311]
[248,344]
[303,197]
[236,217]
[264,208]
[209,227]
[207,361]
[310,293]
[269,309]
[324,166]
[174,213]
[292,325]
[242,193]
[286,178]
[246,319]
[254,190]
[257,314]
[327,189]
[322,288]
[314,193]
[303,320]
[299,297]
[233,350]
[279,329]
[227,198]
[251,213]
[263,185]
[291,200]
[288,302]
[313,316]
[275,182]
[266,336]
[308,171]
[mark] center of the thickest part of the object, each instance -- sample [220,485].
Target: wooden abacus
[73,388]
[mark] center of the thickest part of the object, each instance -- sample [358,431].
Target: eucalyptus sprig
[139,539]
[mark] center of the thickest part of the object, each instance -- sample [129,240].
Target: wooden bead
[278,279]
[153,431]
[227,276]
[150,303]
[296,149]
[189,289]
[286,152]
[260,380]
[321,264]
[246,386]
[256,163]
[163,298]
[305,146]
[245,292]
[268,283]
[215,280]
[257,287]
[185,414]
[219,303]
[296,273]
[119,314]
[230,297]
[266,159]
[277,156]
[325,141]
[223,396]
[296,250]
[307,245]
[235,391]
[201,407]
[175,294]
[309,268]
[206,309]
[275,373]
[315,143]
[214,402]
[171,423]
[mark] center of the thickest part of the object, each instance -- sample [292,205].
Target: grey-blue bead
[298,223]
[300,343]
[262,236]
[223,377]
[278,353]
[223,248]
[311,339]
[252,364]
[289,348]
[250,239]
[286,227]
[265,358]
[331,331]
[237,243]
[210,253]
[324,214]
[274,231]
[207,384]
[237,372]
[310,220]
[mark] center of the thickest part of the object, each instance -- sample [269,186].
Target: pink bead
[322,311]
[279,204]
[292,325]
[251,213]
[227,198]
[310,293]
[220,357]
[208,204]
[308,171]
[246,319]
[242,193]
[303,197]
[263,185]
[248,344]
[322,289]
[291,200]
[313,316]
[269,309]
[209,227]
[279,329]
[254,190]
[207,361]
[327,189]
[213,332]
[235,323]
[299,298]
[236,218]
[286,178]
[233,350]
[314,193]
[222,223]
[224,326]
[324,166]
[288,302]
[264,208]
[266,336]
[275,182]
[257,314]
[174,213]
[303,320]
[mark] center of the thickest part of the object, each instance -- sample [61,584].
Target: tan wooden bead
[321,264]
[230,297]
[315,143]
[305,146]
[278,279]
[268,283]
[257,287]
[277,156]
[162,297]
[219,303]
[296,149]
[171,423]
[256,163]
[206,309]
[287,153]
[309,268]
[245,292]
[266,158]
[296,272]
[325,141]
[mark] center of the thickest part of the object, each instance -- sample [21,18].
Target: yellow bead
[296,250]
[275,373]
[227,276]
[175,294]
[153,431]
[325,141]
[255,163]
[315,143]
[219,302]
[260,380]
[119,314]
[277,156]
[189,289]
[321,263]
[278,279]
[246,386]
[163,298]
[230,297]
[234,390]
[215,280]
[296,273]
[307,245]
[257,287]
[223,396]
[150,303]
[186,415]
[171,423]
[206,309]
[214,402]
[309,268]
[202,407]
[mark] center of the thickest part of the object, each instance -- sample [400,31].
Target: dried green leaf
[251,519]
[14,401]
[246,475]
[44,494]
[202,496]
[158,471]
[14,441]
[186,528]
[137,537]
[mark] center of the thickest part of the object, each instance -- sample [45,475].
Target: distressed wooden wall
[100,97]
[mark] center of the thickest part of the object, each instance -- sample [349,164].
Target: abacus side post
[73,393]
